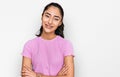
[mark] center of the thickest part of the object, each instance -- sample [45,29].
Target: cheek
[56,23]
[44,19]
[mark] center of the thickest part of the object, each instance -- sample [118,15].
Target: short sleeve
[27,49]
[68,49]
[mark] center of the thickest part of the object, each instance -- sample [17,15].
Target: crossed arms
[66,71]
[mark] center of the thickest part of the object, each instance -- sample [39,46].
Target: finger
[27,68]
[24,74]
[24,69]
[64,66]
[30,73]
[64,70]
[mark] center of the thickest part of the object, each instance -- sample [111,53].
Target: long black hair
[60,29]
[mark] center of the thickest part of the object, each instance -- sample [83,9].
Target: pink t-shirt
[47,55]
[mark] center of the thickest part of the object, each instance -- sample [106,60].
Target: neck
[48,36]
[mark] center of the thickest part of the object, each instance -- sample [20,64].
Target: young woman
[49,54]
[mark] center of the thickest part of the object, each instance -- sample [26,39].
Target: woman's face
[51,19]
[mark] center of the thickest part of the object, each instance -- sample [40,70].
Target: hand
[27,72]
[63,71]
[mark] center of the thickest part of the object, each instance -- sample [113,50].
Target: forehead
[53,11]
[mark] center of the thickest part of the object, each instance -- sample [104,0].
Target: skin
[51,19]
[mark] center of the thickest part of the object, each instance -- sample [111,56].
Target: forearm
[54,76]
[39,75]
[67,69]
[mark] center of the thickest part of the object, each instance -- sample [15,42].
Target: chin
[48,31]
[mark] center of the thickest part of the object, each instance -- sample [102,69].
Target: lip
[48,26]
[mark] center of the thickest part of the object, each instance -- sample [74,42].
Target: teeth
[48,26]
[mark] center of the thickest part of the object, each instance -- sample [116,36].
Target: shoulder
[67,47]
[31,42]
[64,41]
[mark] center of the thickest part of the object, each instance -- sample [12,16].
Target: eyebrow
[54,16]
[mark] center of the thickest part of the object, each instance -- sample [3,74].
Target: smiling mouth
[48,26]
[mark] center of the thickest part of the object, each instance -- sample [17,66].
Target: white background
[93,26]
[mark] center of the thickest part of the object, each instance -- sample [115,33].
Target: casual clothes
[47,56]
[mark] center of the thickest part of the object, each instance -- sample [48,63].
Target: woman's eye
[47,16]
[56,19]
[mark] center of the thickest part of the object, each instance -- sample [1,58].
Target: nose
[50,21]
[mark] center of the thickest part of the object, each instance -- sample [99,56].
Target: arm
[26,63]
[67,71]
[69,63]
